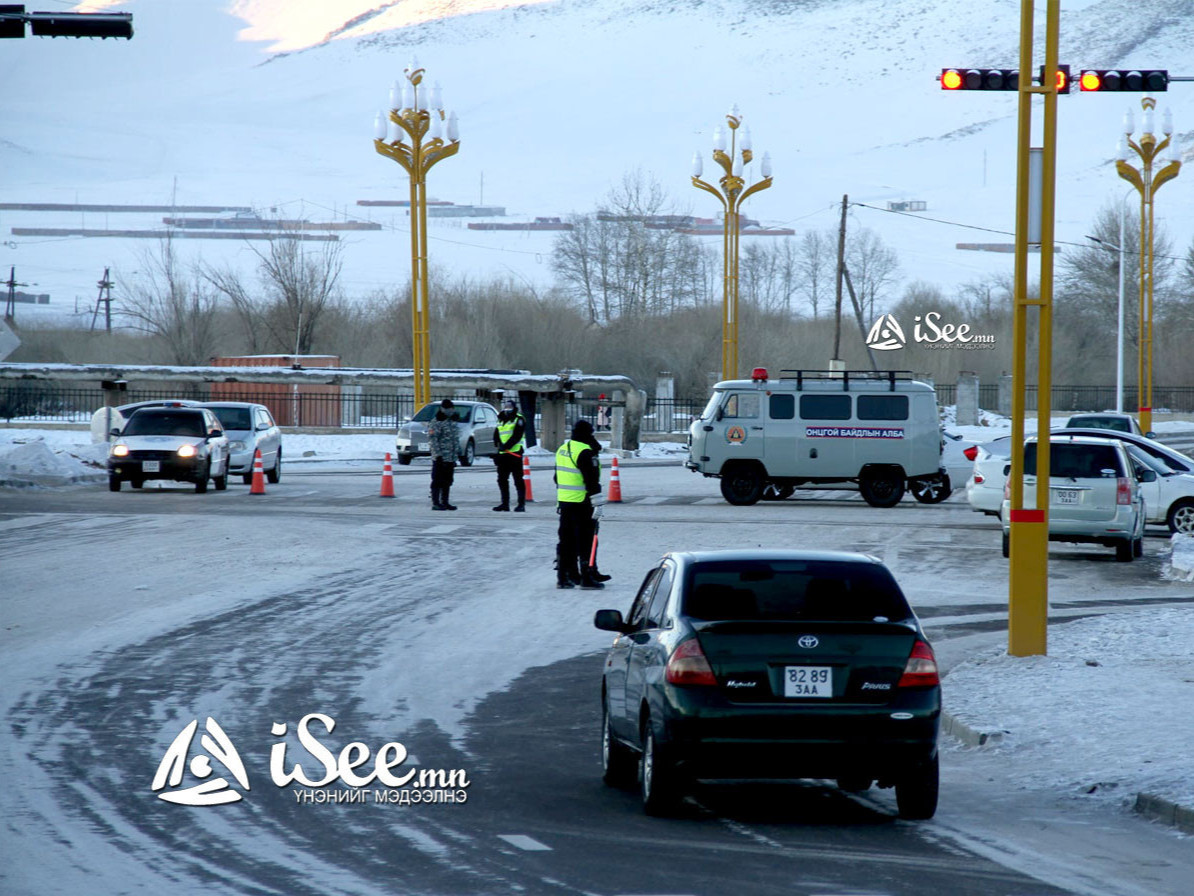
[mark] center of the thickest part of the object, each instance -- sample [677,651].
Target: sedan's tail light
[687,665]
[971,453]
[978,477]
[921,668]
[1123,491]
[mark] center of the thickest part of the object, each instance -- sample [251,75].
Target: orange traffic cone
[258,487]
[615,484]
[526,478]
[387,479]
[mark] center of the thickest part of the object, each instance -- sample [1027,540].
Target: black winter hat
[582,430]
[447,404]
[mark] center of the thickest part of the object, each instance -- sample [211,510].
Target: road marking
[654,499]
[441,530]
[522,841]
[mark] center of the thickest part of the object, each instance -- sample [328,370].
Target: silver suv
[1094,494]
[477,422]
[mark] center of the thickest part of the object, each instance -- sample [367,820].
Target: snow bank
[32,461]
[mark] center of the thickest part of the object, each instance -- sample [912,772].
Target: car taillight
[921,668]
[978,477]
[1123,491]
[687,665]
[1007,489]
[971,453]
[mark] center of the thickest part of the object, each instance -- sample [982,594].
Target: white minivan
[764,437]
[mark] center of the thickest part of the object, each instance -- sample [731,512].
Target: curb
[971,737]
[1156,808]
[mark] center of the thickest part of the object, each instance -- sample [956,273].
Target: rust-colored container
[291,405]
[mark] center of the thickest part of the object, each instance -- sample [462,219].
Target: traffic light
[12,21]
[980,79]
[1063,78]
[82,24]
[1113,80]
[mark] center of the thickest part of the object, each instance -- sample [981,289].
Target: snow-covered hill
[270,103]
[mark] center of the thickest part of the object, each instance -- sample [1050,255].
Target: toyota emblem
[808,641]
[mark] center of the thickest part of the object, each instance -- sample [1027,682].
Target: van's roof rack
[888,376]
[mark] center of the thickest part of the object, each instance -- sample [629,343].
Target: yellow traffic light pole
[1028,576]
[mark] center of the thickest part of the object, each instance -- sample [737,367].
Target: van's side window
[782,407]
[742,404]
[824,407]
[882,407]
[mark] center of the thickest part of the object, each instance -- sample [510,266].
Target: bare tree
[815,262]
[873,268]
[298,285]
[171,303]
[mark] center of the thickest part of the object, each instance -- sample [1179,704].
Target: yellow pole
[1146,418]
[1142,399]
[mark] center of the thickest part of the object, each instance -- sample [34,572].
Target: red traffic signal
[980,79]
[1115,80]
[1063,78]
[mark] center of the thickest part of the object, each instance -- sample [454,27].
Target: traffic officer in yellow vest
[578,487]
[509,441]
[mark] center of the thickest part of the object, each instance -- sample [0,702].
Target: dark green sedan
[770,664]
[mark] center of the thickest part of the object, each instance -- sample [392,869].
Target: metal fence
[355,407]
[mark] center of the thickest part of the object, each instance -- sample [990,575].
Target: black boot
[504,491]
[587,582]
[562,581]
[505,507]
[598,576]
[436,500]
[445,504]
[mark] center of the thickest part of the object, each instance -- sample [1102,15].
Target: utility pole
[10,305]
[841,269]
[104,297]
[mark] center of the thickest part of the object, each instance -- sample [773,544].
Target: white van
[764,437]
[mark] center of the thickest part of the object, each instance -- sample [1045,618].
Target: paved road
[128,615]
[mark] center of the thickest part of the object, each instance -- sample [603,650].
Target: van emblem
[808,641]
[735,434]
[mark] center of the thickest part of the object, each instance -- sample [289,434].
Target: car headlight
[120,450]
[186,451]
[236,446]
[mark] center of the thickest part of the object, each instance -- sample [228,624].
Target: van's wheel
[1181,517]
[916,791]
[470,454]
[882,489]
[931,489]
[742,485]
[773,492]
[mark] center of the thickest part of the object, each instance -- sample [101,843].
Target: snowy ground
[1096,716]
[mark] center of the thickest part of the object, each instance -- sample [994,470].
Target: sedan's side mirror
[1150,435]
[610,621]
[1147,476]
[115,431]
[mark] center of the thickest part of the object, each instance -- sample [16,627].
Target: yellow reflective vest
[505,430]
[570,483]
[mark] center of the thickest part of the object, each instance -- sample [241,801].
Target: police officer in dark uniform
[578,482]
[509,440]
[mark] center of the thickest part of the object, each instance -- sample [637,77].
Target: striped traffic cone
[615,484]
[258,487]
[526,478]
[387,479]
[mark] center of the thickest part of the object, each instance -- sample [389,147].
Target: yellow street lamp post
[422,135]
[1147,182]
[733,192]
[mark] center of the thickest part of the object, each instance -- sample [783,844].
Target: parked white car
[1094,494]
[984,488]
[1107,420]
[1169,498]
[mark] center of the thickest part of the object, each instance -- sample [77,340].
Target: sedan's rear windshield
[235,418]
[1118,424]
[165,423]
[793,590]
[427,413]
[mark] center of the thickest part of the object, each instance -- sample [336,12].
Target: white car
[183,444]
[1170,497]
[1094,494]
[984,488]
[250,428]
[1111,420]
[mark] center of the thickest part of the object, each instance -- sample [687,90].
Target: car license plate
[808,681]
[1067,496]
[151,466]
